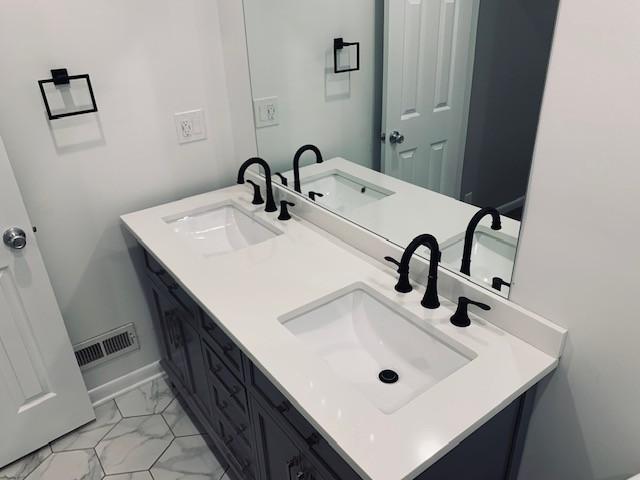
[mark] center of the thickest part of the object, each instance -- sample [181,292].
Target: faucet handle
[461,317]
[394,261]
[257,196]
[314,195]
[497,283]
[283,179]
[284,211]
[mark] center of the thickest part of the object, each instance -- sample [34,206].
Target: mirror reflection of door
[427,85]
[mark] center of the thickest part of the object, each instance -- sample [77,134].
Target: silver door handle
[15,238]
[396,137]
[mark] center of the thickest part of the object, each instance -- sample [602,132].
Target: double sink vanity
[289,342]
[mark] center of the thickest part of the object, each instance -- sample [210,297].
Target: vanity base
[259,435]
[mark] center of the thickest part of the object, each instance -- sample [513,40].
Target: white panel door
[429,53]
[42,393]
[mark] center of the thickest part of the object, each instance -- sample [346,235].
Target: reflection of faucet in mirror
[465,267]
[282,178]
[296,164]
[271,204]
[430,299]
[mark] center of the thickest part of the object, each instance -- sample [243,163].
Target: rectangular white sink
[359,334]
[492,255]
[220,229]
[342,192]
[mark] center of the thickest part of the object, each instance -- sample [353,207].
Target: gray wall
[512,51]
[579,263]
[147,59]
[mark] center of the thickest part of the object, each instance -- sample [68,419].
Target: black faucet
[465,267]
[271,204]
[430,299]
[296,164]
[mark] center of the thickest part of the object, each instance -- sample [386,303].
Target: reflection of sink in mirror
[220,229]
[342,192]
[359,334]
[492,255]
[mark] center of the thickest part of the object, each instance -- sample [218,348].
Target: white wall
[290,46]
[147,59]
[579,257]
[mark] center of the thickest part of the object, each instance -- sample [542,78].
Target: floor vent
[106,347]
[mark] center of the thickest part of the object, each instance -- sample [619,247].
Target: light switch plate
[190,126]
[266,111]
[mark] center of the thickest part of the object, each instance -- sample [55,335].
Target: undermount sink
[342,192]
[220,229]
[365,338]
[492,255]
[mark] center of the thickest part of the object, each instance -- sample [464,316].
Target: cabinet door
[279,457]
[173,337]
[196,368]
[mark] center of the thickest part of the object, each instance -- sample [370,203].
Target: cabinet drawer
[223,345]
[227,408]
[231,389]
[160,275]
[239,444]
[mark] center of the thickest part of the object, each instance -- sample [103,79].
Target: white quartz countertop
[248,290]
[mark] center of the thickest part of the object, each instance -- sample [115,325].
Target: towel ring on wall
[61,77]
[339,44]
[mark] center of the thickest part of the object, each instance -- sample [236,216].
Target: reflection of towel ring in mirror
[339,44]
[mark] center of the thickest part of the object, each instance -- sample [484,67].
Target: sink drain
[388,376]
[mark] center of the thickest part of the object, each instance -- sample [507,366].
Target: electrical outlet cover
[190,126]
[266,111]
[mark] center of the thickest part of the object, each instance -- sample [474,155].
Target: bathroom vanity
[273,333]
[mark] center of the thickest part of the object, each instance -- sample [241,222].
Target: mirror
[424,111]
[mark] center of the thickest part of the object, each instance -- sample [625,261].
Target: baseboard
[512,205]
[125,383]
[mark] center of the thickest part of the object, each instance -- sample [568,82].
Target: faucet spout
[296,164]
[496,224]
[271,204]
[430,299]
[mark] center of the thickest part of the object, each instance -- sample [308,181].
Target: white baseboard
[512,205]
[125,383]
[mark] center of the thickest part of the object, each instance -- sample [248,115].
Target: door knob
[15,238]
[396,137]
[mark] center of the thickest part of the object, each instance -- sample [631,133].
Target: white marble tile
[19,469]
[148,399]
[130,476]
[75,465]
[134,444]
[179,421]
[188,458]
[88,436]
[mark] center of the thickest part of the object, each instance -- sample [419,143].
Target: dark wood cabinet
[255,431]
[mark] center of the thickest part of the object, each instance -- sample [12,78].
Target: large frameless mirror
[424,113]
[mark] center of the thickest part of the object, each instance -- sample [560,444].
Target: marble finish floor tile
[134,444]
[188,458]
[178,420]
[130,476]
[88,436]
[148,399]
[75,465]
[19,469]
